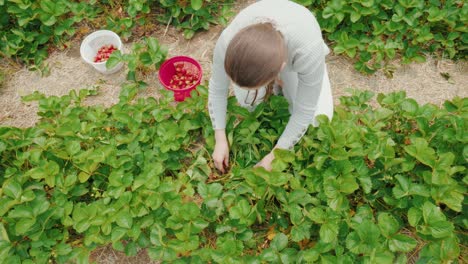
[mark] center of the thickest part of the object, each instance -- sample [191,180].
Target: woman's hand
[266,161]
[221,151]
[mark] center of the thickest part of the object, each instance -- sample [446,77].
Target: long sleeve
[218,87]
[309,63]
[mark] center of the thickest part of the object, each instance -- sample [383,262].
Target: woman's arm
[217,105]
[218,87]
[310,65]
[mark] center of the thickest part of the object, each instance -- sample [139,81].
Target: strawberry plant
[192,16]
[375,32]
[369,187]
[188,16]
[143,57]
[26,27]
[30,29]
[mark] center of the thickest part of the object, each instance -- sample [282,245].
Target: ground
[431,82]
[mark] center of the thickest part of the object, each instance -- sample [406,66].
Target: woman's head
[255,56]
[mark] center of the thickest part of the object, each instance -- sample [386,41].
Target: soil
[431,82]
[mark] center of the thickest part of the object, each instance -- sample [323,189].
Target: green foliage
[144,56]
[27,26]
[188,16]
[359,189]
[28,29]
[195,15]
[376,31]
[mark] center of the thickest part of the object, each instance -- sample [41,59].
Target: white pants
[290,83]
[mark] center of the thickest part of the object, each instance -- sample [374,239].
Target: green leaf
[73,147]
[3,234]
[410,106]
[329,232]
[368,232]
[414,216]
[300,232]
[21,211]
[383,257]
[210,193]
[23,225]
[402,243]
[449,248]
[81,255]
[284,155]
[432,213]
[353,242]
[317,215]
[48,6]
[436,14]
[196,4]
[453,198]
[388,224]
[365,182]
[272,178]
[117,234]
[310,255]
[242,211]
[162,254]
[40,206]
[131,249]
[83,176]
[114,59]
[12,188]
[82,226]
[146,59]
[441,229]
[348,184]
[365,239]
[37,173]
[152,44]
[63,249]
[279,242]
[190,211]
[118,246]
[124,219]
[269,256]
[157,234]
[421,151]
[355,16]
[188,33]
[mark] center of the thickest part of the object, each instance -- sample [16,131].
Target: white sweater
[306,56]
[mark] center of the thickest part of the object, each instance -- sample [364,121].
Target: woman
[270,46]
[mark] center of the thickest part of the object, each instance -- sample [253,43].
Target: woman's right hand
[221,151]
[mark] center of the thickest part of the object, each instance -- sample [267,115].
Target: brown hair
[255,55]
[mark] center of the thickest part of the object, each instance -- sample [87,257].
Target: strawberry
[104,53]
[183,78]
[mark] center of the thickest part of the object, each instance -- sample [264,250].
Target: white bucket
[93,42]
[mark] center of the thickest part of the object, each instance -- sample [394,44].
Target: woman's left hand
[266,161]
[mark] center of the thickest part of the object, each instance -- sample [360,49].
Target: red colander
[168,70]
